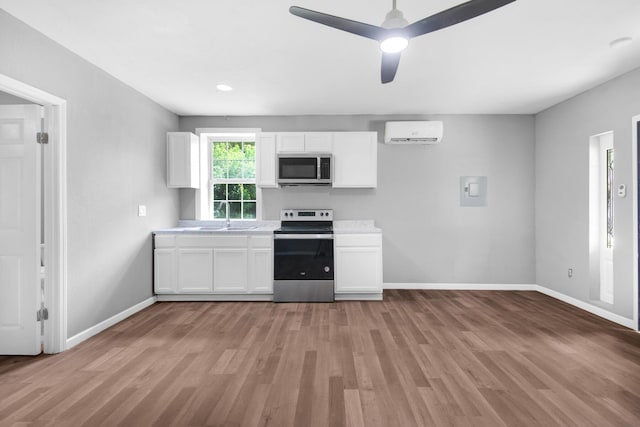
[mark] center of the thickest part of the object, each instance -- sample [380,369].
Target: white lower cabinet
[164,271]
[230,270]
[358,268]
[260,265]
[213,264]
[195,270]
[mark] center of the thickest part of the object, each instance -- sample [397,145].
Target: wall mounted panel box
[423,132]
[183,160]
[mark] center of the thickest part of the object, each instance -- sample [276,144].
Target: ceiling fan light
[394,44]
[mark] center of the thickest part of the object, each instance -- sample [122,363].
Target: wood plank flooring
[418,358]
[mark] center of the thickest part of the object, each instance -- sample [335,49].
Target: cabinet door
[355,159]
[164,271]
[183,160]
[266,160]
[261,270]
[230,270]
[290,142]
[358,269]
[195,270]
[318,142]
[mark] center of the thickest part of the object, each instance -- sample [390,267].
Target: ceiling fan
[395,31]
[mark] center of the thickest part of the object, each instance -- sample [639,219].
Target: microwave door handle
[318,162]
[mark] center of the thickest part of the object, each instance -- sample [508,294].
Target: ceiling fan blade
[454,15]
[354,27]
[390,63]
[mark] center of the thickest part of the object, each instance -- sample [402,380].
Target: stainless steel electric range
[303,256]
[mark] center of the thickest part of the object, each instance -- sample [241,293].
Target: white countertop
[355,227]
[261,227]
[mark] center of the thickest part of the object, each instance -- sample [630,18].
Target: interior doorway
[601,215]
[635,144]
[54,209]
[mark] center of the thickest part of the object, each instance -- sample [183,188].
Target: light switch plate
[473,191]
[142,210]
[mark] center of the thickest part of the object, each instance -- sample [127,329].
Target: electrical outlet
[142,210]
[570,272]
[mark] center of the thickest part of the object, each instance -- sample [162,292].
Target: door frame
[55,208]
[635,152]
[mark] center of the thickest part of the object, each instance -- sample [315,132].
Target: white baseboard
[462,286]
[96,329]
[598,311]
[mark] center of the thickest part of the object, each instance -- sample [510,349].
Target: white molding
[105,324]
[461,286]
[635,141]
[55,206]
[598,311]
[214,297]
[200,131]
[358,296]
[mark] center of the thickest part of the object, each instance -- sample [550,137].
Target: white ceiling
[521,58]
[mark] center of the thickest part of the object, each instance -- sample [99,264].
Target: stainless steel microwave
[305,168]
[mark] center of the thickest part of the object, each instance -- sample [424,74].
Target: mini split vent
[413,132]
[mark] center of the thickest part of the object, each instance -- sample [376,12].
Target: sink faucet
[228,215]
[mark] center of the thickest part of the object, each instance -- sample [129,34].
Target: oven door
[303,268]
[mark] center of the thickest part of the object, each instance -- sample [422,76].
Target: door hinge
[42,138]
[42,314]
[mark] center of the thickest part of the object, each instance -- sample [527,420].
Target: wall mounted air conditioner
[413,132]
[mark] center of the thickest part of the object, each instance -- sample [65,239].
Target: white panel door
[355,159]
[195,270]
[230,270]
[261,270]
[164,271]
[19,229]
[266,160]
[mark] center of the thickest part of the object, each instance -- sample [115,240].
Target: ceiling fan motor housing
[394,19]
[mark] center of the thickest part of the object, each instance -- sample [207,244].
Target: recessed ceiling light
[224,87]
[621,42]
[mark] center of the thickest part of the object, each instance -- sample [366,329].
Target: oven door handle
[304,236]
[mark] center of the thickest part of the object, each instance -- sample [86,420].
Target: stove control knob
[327,269]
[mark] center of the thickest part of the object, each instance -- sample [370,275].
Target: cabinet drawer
[231,241]
[261,241]
[358,239]
[195,241]
[165,240]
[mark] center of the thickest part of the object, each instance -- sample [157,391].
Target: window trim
[204,194]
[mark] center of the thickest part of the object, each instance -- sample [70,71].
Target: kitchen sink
[211,228]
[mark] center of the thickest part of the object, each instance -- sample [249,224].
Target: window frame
[204,195]
[242,138]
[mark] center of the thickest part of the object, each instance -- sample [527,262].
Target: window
[233,176]
[609,191]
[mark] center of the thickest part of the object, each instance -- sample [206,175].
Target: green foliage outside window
[234,173]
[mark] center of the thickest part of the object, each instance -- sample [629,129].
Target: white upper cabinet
[183,160]
[290,142]
[318,142]
[305,142]
[355,155]
[266,160]
[355,159]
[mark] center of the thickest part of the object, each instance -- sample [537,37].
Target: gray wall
[8,99]
[562,190]
[116,160]
[427,236]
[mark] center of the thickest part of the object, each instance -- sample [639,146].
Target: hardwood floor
[436,358]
